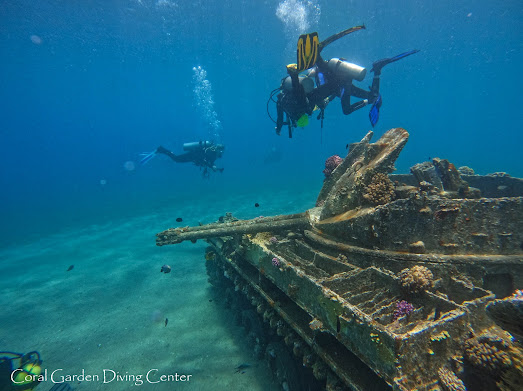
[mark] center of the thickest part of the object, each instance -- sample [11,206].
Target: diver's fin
[307,51]
[377,65]
[147,156]
[374,113]
[337,36]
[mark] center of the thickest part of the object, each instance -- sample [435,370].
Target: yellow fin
[307,51]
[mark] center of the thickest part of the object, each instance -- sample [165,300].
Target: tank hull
[409,282]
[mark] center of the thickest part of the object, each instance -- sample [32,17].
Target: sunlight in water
[298,16]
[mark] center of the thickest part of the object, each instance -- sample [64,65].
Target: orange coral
[380,190]
[488,353]
[450,381]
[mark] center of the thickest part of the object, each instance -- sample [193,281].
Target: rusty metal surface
[455,226]
[238,227]
[335,274]
[357,307]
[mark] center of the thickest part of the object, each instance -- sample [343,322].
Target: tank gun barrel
[239,227]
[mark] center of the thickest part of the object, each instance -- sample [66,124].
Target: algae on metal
[337,278]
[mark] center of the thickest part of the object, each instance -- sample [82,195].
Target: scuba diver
[19,371]
[23,372]
[298,96]
[202,153]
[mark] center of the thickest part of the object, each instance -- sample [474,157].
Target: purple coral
[275,262]
[402,308]
[273,240]
[331,163]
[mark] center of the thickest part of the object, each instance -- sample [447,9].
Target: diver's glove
[292,69]
[374,113]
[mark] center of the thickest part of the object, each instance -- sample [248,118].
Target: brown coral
[416,279]
[380,190]
[512,379]
[488,353]
[450,381]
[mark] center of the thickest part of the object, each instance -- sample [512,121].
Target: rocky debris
[441,177]
[449,175]
[426,173]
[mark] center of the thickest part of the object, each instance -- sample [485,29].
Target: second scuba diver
[298,96]
[202,153]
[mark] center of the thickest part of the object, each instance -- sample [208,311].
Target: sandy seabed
[108,312]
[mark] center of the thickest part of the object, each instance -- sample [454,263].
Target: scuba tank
[346,70]
[307,83]
[196,145]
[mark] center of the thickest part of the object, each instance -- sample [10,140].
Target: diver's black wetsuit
[343,88]
[329,85]
[332,79]
[204,156]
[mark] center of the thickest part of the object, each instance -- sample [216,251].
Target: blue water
[110,80]
[86,86]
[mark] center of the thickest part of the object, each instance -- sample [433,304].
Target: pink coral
[331,163]
[402,308]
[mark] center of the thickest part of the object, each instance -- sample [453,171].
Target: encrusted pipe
[240,227]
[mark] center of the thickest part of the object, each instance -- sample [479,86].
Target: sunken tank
[404,282]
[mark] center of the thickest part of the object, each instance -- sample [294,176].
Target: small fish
[437,313]
[165,269]
[256,205]
[166,321]
[179,219]
[241,367]
[347,146]
[210,300]
[70,268]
